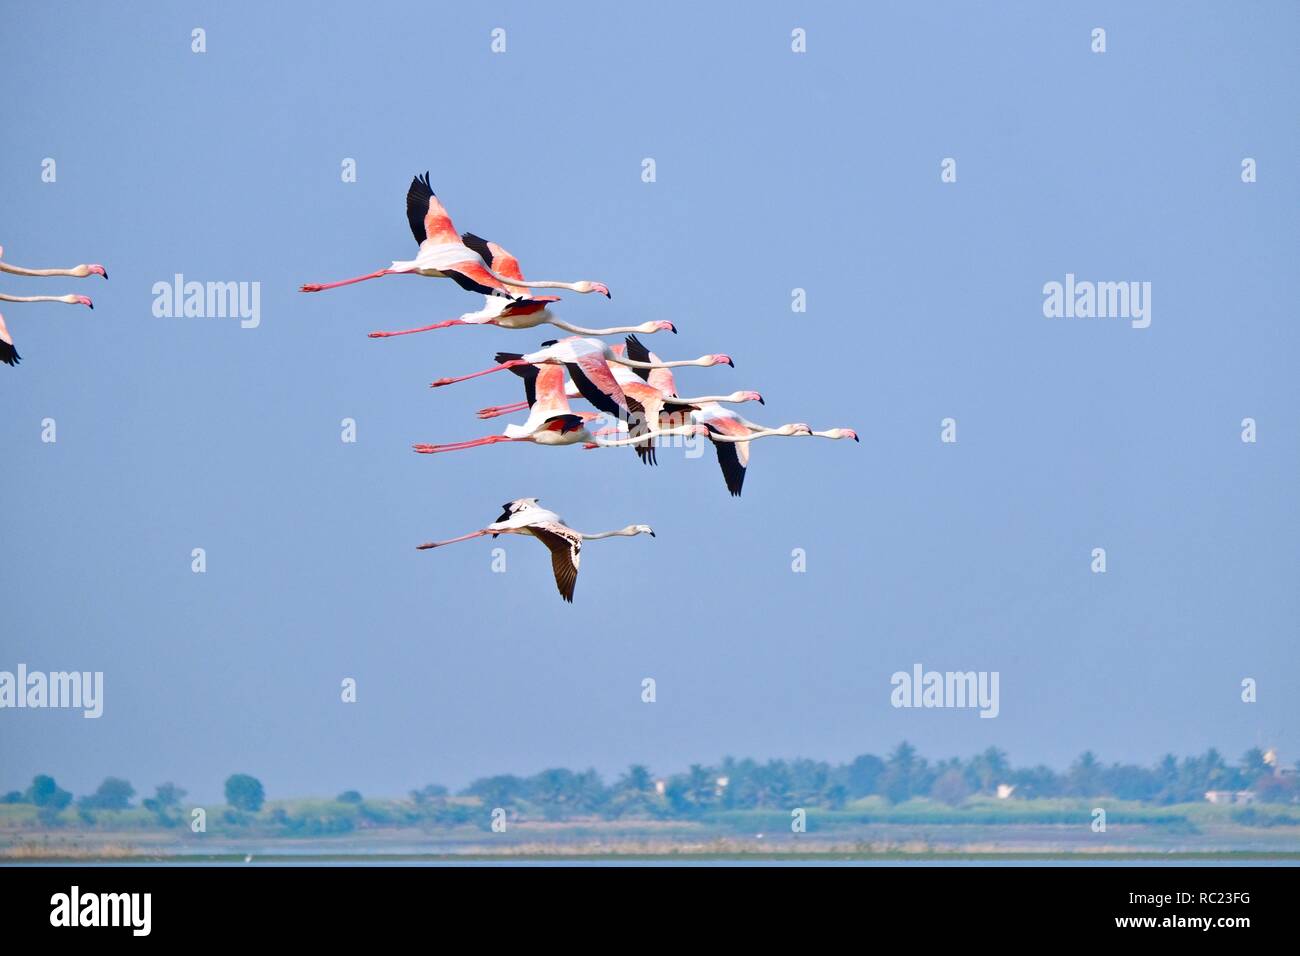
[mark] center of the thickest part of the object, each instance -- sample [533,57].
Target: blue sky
[775,171]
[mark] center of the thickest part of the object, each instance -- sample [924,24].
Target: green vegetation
[732,795]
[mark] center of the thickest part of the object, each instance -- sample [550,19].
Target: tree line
[732,784]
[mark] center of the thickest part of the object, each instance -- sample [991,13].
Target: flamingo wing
[428,219]
[733,457]
[660,378]
[566,548]
[645,405]
[472,277]
[504,264]
[8,354]
[637,352]
[596,383]
[548,389]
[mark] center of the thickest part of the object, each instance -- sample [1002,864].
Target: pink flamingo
[526,517]
[8,353]
[526,313]
[443,255]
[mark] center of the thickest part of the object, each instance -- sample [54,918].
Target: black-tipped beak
[105,273]
[653,535]
[91,304]
[608,295]
[760,400]
[731,363]
[856,438]
[672,328]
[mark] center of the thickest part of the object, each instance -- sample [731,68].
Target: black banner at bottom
[267,902]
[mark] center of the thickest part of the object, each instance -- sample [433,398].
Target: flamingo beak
[652,534]
[760,400]
[672,328]
[731,363]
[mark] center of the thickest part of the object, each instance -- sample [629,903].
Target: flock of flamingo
[625,383]
[8,352]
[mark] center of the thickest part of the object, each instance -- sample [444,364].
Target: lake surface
[365,861]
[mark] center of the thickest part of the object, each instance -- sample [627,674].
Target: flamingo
[8,353]
[588,361]
[645,401]
[77,272]
[729,432]
[443,255]
[550,422]
[525,516]
[526,313]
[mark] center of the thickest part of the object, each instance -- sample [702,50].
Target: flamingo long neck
[628,532]
[760,433]
[532,283]
[705,399]
[30,298]
[20,271]
[578,330]
[617,443]
[633,363]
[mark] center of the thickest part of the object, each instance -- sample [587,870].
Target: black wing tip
[478,244]
[9,355]
[417,204]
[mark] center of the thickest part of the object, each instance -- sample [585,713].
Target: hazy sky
[775,170]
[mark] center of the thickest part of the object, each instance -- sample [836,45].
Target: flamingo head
[750,397]
[584,286]
[643,529]
[648,328]
[78,300]
[841,433]
[798,428]
[94,269]
[718,359]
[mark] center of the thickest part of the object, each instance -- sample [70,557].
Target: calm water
[363,861]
